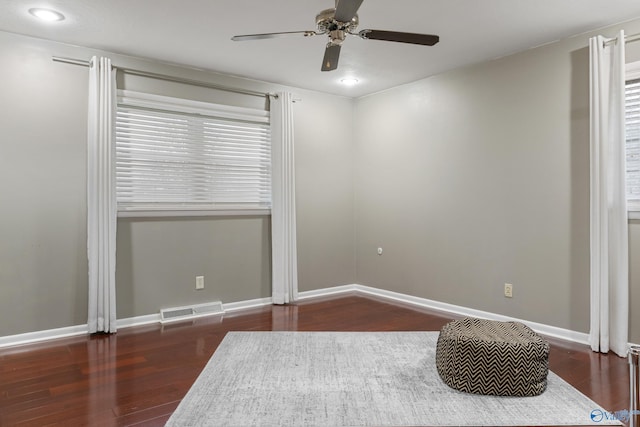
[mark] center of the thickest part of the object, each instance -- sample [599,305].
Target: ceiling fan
[337,23]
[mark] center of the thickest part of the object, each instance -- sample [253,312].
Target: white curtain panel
[101,197]
[609,239]
[284,256]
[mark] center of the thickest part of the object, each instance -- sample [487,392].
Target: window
[632,132]
[176,155]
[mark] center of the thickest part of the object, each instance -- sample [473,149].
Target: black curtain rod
[627,39]
[168,78]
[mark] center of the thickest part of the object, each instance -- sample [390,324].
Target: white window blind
[181,155]
[632,131]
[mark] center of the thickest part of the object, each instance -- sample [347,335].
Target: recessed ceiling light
[349,81]
[46,14]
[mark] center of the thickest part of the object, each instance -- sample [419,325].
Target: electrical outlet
[508,290]
[199,282]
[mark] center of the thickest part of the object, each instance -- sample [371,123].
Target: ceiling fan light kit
[337,24]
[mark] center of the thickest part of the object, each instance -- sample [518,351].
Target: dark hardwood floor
[139,375]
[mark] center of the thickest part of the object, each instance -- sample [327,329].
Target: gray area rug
[354,379]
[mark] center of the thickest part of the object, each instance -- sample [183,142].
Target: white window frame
[632,72]
[193,108]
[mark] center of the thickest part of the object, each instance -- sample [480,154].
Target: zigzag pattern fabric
[492,358]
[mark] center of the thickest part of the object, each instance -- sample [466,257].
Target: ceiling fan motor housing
[337,30]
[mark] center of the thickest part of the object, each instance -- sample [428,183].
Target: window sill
[192,213]
[633,215]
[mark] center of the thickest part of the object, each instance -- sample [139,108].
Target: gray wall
[43,260]
[43,265]
[479,177]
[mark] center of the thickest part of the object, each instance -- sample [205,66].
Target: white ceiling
[198,33]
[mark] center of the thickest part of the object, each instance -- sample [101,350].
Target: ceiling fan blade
[271,35]
[331,55]
[395,36]
[347,9]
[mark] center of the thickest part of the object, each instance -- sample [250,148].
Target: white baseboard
[445,308]
[243,305]
[138,320]
[551,331]
[71,331]
[335,290]
[48,334]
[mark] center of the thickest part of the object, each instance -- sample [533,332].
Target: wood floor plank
[139,375]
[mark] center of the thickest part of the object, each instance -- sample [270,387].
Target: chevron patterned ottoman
[489,357]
